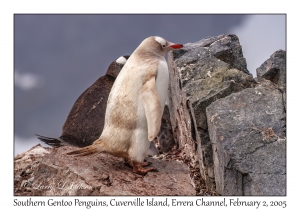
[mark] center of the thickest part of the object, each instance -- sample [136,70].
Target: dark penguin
[85,121]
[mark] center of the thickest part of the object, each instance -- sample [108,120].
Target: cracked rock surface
[24,165]
[274,69]
[229,125]
[201,73]
[248,134]
[102,174]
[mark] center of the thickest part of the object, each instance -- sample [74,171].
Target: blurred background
[57,57]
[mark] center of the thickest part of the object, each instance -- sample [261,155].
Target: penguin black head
[116,66]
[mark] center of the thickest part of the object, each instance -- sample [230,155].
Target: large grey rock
[248,132]
[221,83]
[205,71]
[274,69]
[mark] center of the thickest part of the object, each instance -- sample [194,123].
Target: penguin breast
[162,81]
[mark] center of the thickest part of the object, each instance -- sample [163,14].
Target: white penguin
[135,105]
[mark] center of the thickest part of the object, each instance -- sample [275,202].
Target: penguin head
[116,66]
[165,45]
[157,45]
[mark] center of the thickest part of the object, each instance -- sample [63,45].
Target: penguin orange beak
[176,46]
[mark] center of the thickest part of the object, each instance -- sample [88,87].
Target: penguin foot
[139,168]
[145,163]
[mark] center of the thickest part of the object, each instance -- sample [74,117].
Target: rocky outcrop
[222,133]
[274,69]
[249,153]
[58,174]
[217,109]
[201,73]
[247,131]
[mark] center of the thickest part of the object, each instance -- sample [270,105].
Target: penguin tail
[89,150]
[54,142]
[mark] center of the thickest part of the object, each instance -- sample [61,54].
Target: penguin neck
[113,70]
[149,54]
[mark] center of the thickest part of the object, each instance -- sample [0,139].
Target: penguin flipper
[55,142]
[151,103]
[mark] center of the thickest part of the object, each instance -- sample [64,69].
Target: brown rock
[103,174]
[24,165]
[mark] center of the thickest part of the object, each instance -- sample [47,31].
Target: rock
[219,84]
[248,133]
[201,73]
[24,165]
[165,136]
[103,174]
[180,119]
[274,69]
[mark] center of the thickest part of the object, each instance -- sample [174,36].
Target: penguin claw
[144,171]
[143,164]
[146,163]
[139,168]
